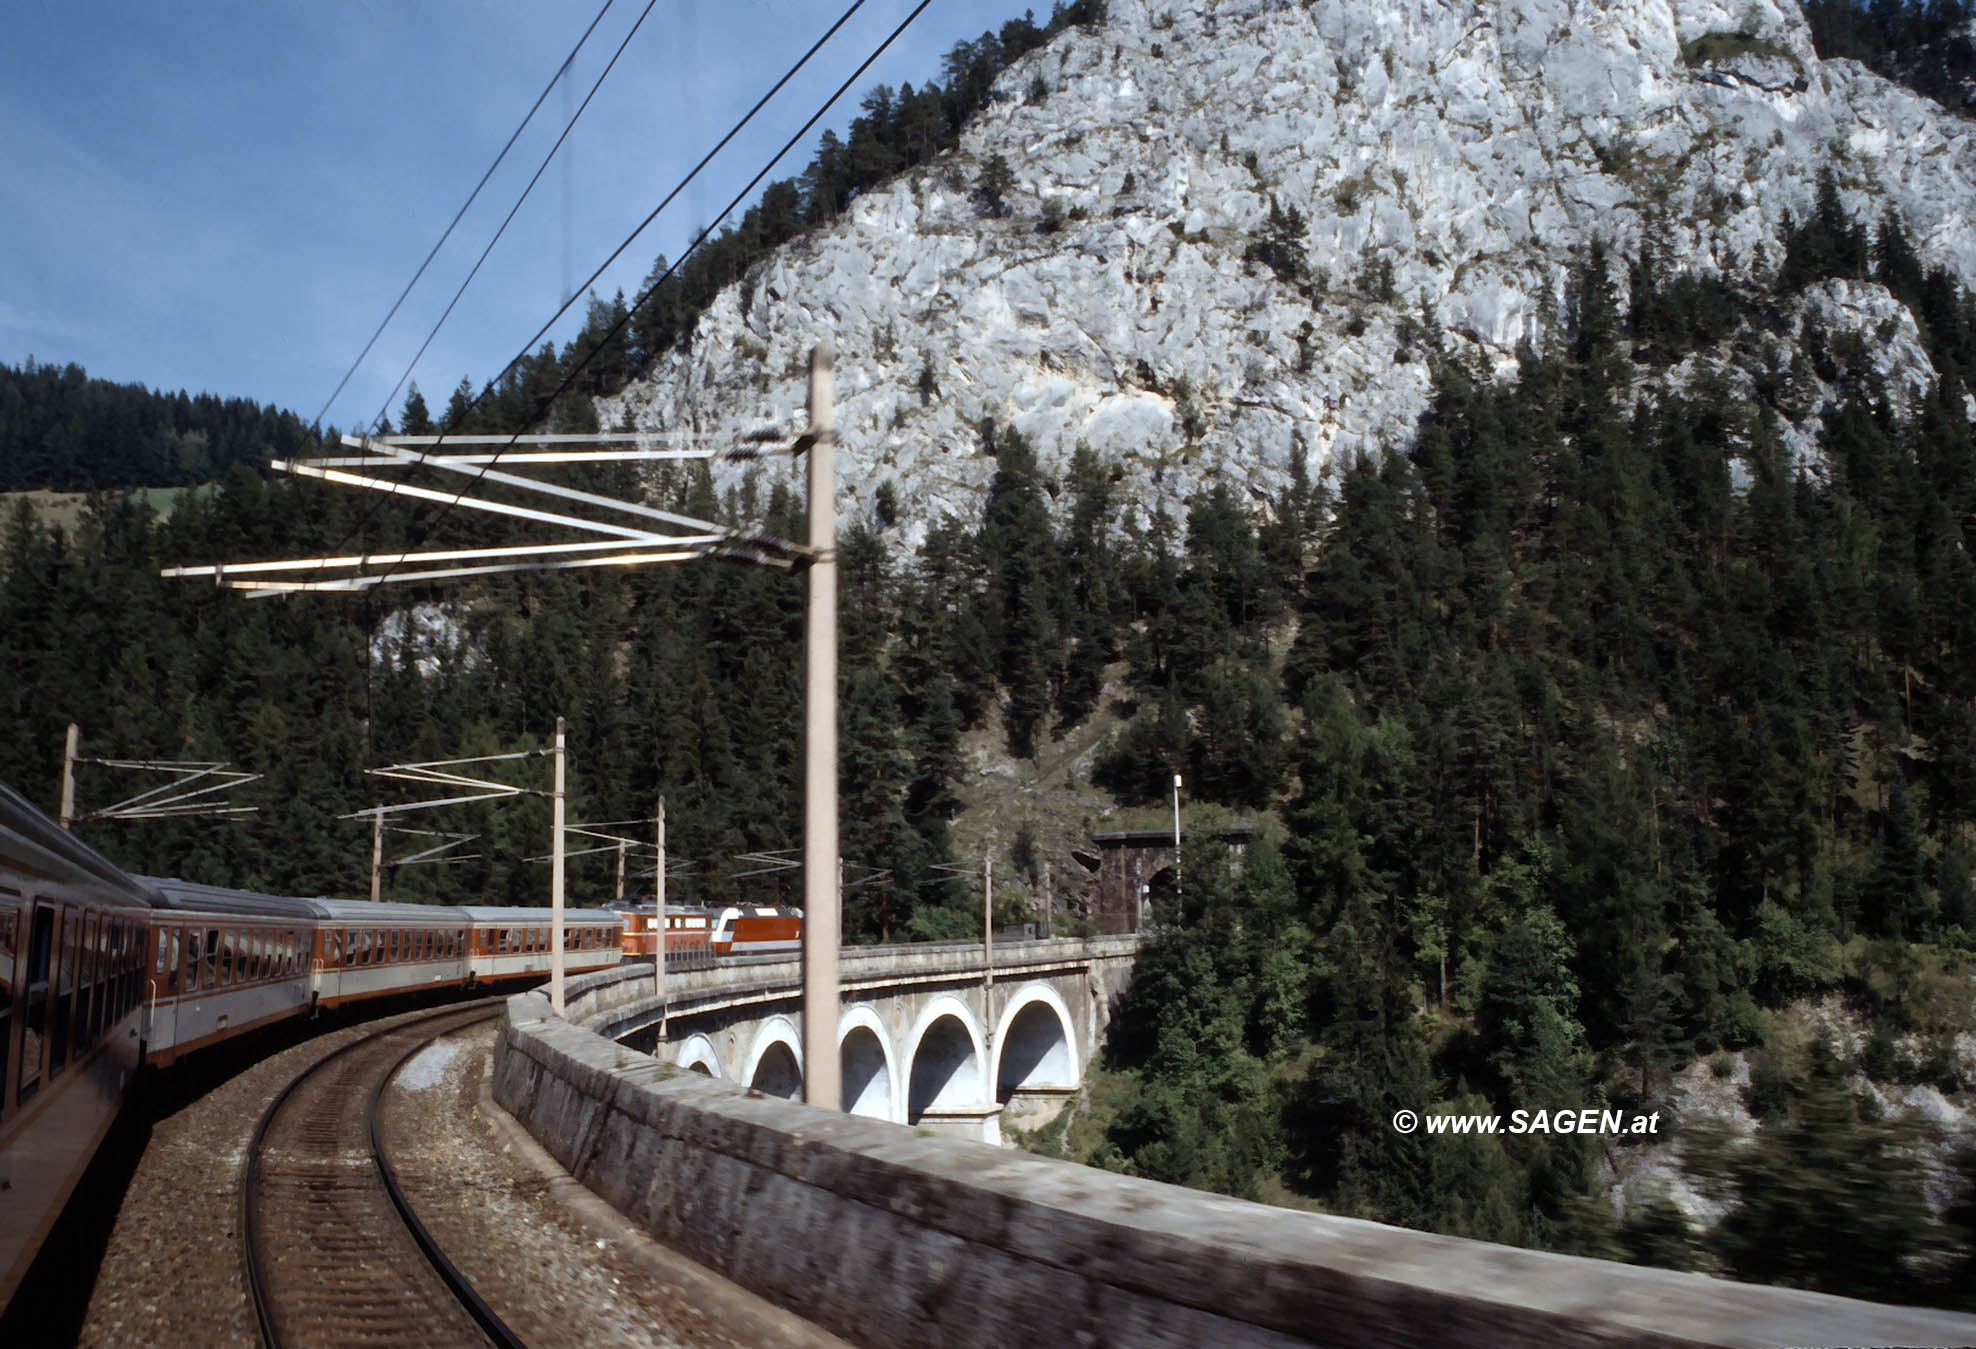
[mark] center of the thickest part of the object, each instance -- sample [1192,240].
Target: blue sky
[227,197]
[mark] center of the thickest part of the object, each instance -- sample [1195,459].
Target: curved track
[334,1254]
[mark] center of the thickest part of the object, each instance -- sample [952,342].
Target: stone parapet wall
[890,1237]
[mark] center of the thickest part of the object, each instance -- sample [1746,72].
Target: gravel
[556,1263]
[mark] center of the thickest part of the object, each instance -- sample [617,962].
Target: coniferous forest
[1591,738]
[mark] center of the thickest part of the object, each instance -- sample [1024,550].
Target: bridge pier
[979,1123]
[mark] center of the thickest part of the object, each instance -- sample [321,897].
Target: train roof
[191,896]
[33,845]
[645,906]
[489,913]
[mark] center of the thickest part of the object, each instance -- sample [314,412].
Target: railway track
[334,1254]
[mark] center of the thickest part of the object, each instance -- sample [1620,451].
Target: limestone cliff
[1449,159]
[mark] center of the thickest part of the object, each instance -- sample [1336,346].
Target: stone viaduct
[888,1236]
[930,1036]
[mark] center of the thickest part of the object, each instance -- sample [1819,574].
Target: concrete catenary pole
[987,927]
[556,880]
[821,1070]
[659,921]
[69,751]
[1176,841]
[377,849]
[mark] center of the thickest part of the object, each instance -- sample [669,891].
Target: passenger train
[102,973]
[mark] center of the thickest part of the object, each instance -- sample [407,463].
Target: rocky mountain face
[1448,160]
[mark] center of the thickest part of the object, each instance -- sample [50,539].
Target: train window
[113,974]
[61,992]
[395,948]
[93,984]
[120,966]
[229,947]
[114,981]
[130,966]
[88,928]
[171,961]
[194,948]
[96,951]
[129,960]
[9,917]
[34,1031]
[134,950]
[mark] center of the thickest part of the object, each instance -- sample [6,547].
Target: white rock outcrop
[1469,147]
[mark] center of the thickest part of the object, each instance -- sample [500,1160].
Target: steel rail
[496,1329]
[257,1284]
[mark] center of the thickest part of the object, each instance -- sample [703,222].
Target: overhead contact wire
[461,214]
[699,239]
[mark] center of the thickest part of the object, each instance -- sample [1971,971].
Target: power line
[699,239]
[461,213]
[528,348]
[507,220]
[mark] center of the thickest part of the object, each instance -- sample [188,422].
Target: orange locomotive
[695,935]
